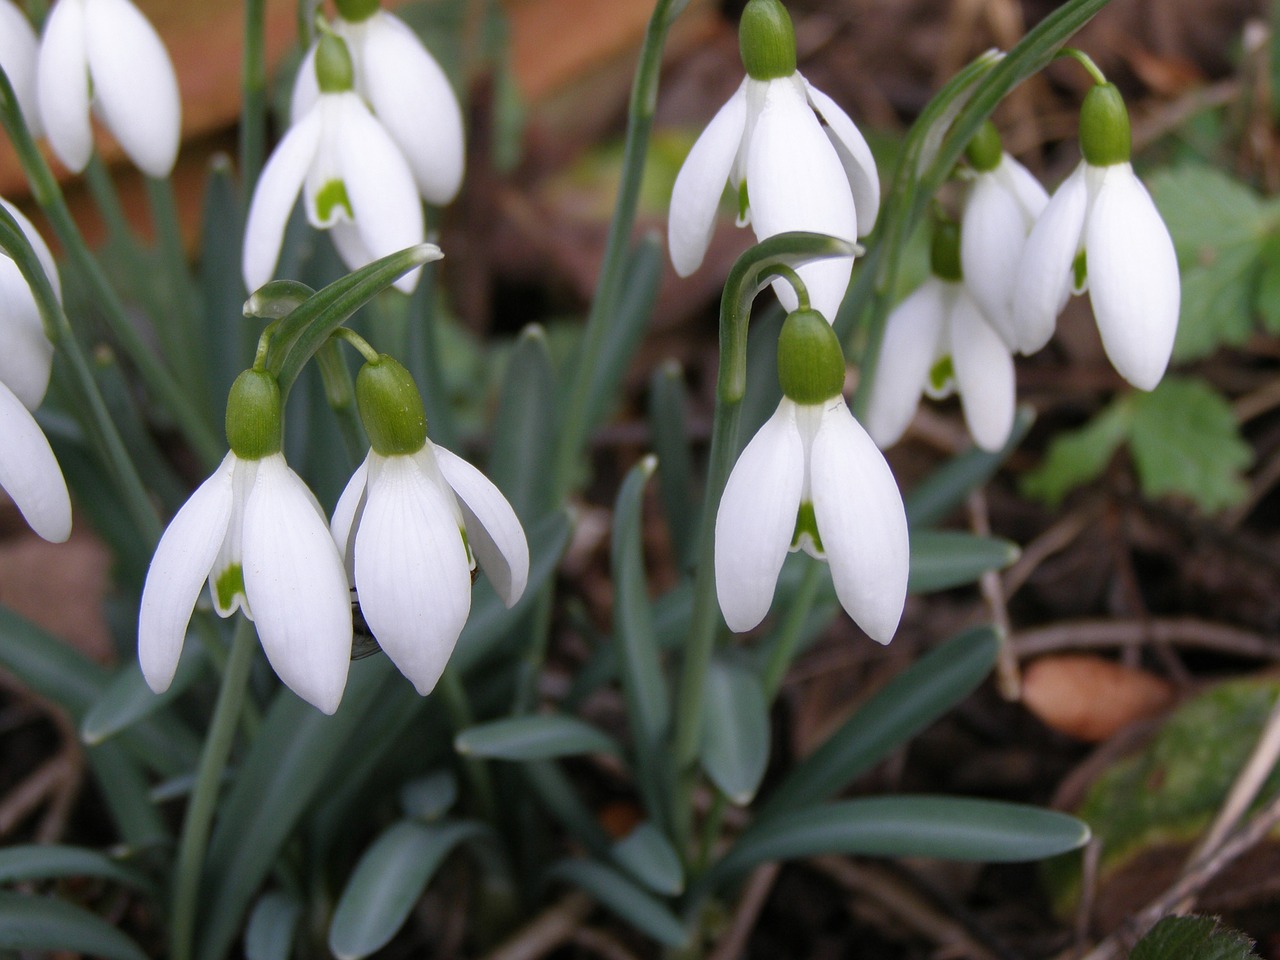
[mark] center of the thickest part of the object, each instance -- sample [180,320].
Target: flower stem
[458,705]
[341,394]
[253,109]
[213,760]
[1086,61]
[784,645]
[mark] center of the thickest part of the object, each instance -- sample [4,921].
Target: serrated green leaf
[537,737]
[647,855]
[273,925]
[1217,303]
[47,924]
[1269,287]
[388,881]
[1192,938]
[1076,457]
[1185,440]
[941,559]
[735,730]
[45,862]
[643,911]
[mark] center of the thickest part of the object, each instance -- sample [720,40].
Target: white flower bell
[1002,205]
[793,158]
[105,54]
[812,479]
[355,181]
[938,341]
[18,51]
[406,90]
[412,524]
[259,537]
[1101,231]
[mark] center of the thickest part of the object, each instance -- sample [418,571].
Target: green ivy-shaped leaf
[1192,938]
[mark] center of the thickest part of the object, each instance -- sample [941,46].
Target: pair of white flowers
[94,56]
[375,126]
[409,528]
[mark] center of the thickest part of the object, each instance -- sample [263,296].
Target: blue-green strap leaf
[47,924]
[643,911]
[536,737]
[941,559]
[735,730]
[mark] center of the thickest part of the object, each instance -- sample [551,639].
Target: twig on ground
[734,942]
[1090,857]
[1008,676]
[548,930]
[601,944]
[1053,540]
[1190,632]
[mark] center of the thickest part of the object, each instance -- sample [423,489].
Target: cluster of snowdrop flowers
[812,479]
[940,340]
[409,529]
[29,473]
[792,156]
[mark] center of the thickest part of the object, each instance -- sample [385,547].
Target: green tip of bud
[985,150]
[810,361]
[255,427]
[1104,127]
[390,407]
[944,255]
[334,71]
[767,40]
[353,11]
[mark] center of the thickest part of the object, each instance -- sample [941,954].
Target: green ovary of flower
[810,361]
[767,40]
[390,407]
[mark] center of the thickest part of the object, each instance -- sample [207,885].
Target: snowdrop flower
[938,341]
[1003,203]
[413,522]
[406,90]
[256,532]
[355,182]
[18,47]
[1102,231]
[794,159]
[812,479]
[106,54]
[27,357]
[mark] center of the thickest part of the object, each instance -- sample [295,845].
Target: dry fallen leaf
[1090,698]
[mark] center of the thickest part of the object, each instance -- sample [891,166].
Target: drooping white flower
[18,46]
[792,156]
[1002,205]
[105,54]
[1101,231]
[407,91]
[938,341]
[354,180]
[412,524]
[812,479]
[257,535]
[27,355]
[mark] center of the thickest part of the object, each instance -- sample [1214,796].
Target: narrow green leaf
[941,559]
[948,487]
[648,855]
[1077,457]
[387,882]
[735,730]
[1192,938]
[44,862]
[430,797]
[524,427]
[229,337]
[125,791]
[46,924]
[536,737]
[273,927]
[668,418]
[643,911]
[127,698]
[951,828]
[907,704]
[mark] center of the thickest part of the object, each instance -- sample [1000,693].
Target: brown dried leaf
[1090,698]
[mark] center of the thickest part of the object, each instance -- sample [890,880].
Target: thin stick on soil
[1008,675]
[549,930]
[734,942]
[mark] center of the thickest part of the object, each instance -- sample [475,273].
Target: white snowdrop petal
[493,530]
[855,156]
[695,197]
[306,88]
[413,99]
[1133,278]
[29,473]
[861,521]
[984,375]
[347,512]
[62,84]
[296,586]
[277,190]
[384,199]
[27,357]
[181,563]
[1045,270]
[992,235]
[907,352]
[18,52]
[757,518]
[412,571]
[1030,194]
[135,88]
[795,181]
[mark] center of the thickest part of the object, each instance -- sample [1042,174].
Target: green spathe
[334,70]
[390,407]
[255,427]
[354,11]
[810,361]
[767,40]
[1104,127]
[985,150]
